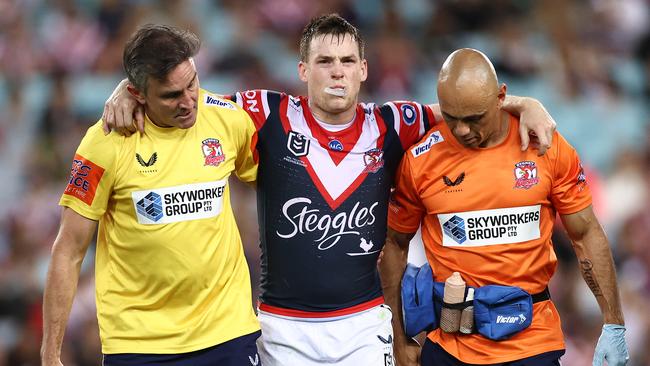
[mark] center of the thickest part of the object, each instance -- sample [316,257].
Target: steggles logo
[304,218]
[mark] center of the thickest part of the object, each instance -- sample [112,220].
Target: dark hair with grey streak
[154,50]
[330,24]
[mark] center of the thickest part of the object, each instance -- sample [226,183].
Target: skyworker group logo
[455,228]
[490,227]
[150,207]
[179,203]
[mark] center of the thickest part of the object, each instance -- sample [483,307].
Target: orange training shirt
[488,214]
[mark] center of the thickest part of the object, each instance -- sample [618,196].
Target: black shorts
[235,352]
[434,355]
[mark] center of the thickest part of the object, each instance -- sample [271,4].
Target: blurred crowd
[588,61]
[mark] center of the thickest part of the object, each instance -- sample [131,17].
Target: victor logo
[511,319]
[304,219]
[425,146]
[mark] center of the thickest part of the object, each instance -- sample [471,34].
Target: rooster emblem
[525,174]
[213,152]
[366,246]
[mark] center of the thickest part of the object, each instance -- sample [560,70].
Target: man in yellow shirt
[172,283]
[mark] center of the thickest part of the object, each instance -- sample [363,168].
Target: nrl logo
[152,160]
[298,144]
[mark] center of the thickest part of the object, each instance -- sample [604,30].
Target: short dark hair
[330,24]
[154,50]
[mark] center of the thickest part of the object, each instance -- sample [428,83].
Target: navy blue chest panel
[322,225]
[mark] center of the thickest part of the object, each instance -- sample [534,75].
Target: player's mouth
[186,117]
[184,114]
[470,141]
[336,90]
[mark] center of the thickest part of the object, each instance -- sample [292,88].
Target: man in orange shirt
[487,211]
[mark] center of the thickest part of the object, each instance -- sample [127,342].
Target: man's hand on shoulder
[536,127]
[122,113]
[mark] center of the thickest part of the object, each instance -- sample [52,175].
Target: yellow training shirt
[171,276]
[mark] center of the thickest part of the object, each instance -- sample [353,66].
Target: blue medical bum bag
[420,312]
[499,311]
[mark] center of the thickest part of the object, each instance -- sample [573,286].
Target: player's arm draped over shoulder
[122,112]
[535,122]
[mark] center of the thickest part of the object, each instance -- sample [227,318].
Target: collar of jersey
[164,132]
[447,135]
[347,136]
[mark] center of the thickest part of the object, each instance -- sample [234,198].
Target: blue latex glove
[611,346]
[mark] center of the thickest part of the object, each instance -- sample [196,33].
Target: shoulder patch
[84,179]
[218,102]
[421,148]
[409,114]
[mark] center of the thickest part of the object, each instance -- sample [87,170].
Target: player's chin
[339,105]
[186,121]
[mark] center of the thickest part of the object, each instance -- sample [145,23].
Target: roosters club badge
[525,174]
[213,152]
[374,160]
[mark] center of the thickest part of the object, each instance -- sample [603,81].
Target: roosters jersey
[322,200]
[171,276]
[488,214]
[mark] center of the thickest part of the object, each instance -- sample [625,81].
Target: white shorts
[360,339]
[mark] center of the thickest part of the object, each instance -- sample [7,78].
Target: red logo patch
[525,174]
[213,152]
[84,179]
[374,160]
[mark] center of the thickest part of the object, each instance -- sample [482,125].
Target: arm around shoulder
[534,120]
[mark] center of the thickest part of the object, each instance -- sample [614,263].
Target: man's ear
[364,70]
[502,94]
[302,71]
[139,96]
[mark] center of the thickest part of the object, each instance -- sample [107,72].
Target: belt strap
[538,297]
[541,296]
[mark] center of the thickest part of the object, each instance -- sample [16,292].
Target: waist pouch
[499,311]
[418,308]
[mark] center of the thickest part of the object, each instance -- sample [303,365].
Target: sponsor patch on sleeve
[84,179]
[218,102]
[434,138]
